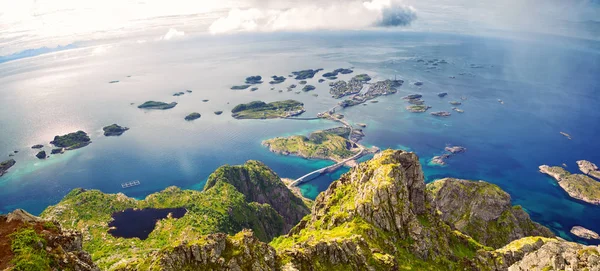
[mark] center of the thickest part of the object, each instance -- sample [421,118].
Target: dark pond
[139,223]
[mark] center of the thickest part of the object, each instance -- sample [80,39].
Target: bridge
[314,174]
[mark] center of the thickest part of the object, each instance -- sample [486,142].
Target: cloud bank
[331,15]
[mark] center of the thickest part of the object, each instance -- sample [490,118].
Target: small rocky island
[277,80]
[578,186]
[305,74]
[240,87]
[441,114]
[584,233]
[331,144]
[72,141]
[252,80]
[5,165]
[440,160]
[262,110]
[192,116]
[41,155]
[37,146]
[418,108]
[308,88]
[589,168]
[218,112]
[114,130]
[157,105]
[336,72]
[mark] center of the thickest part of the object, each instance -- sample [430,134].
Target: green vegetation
[483,211]
[219,208]
[192,116]
[157,105]
[41,155]
[328,144]
[277,79]
[28,249]
[262,110]
[257,79]
[114,130]
[72,141]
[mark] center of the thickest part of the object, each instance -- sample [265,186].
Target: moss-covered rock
[260,184]
[376,217]
[483,211]
[31,243]
[578,186]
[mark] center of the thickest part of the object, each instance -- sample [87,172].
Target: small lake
[138,223]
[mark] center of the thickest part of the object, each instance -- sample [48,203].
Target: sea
[547,85]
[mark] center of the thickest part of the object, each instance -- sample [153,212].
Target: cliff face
[31,243]
[377,216]
[260,184]
[483,211]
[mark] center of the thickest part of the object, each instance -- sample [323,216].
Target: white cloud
[334,15]
[173,33]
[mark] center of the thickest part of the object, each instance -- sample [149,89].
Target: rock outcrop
[376,217]
[578,186]
[28,242]
[585,233]
[483,211]
[260,184]
[589,168]
[219,251]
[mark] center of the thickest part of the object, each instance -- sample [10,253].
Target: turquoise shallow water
[547,86]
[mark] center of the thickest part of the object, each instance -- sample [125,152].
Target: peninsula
[157,105]
[262,110]
[578,186]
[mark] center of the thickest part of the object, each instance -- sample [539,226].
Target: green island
[72,141]
[378,216]
[157,105]
[578,186]
[114,130]
[41,155]
[262,110]
[193,116]
[331,144]
[418,108]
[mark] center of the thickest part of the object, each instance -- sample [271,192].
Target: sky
[33,24]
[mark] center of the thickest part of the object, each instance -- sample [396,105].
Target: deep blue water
[547,84]
[140,223]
